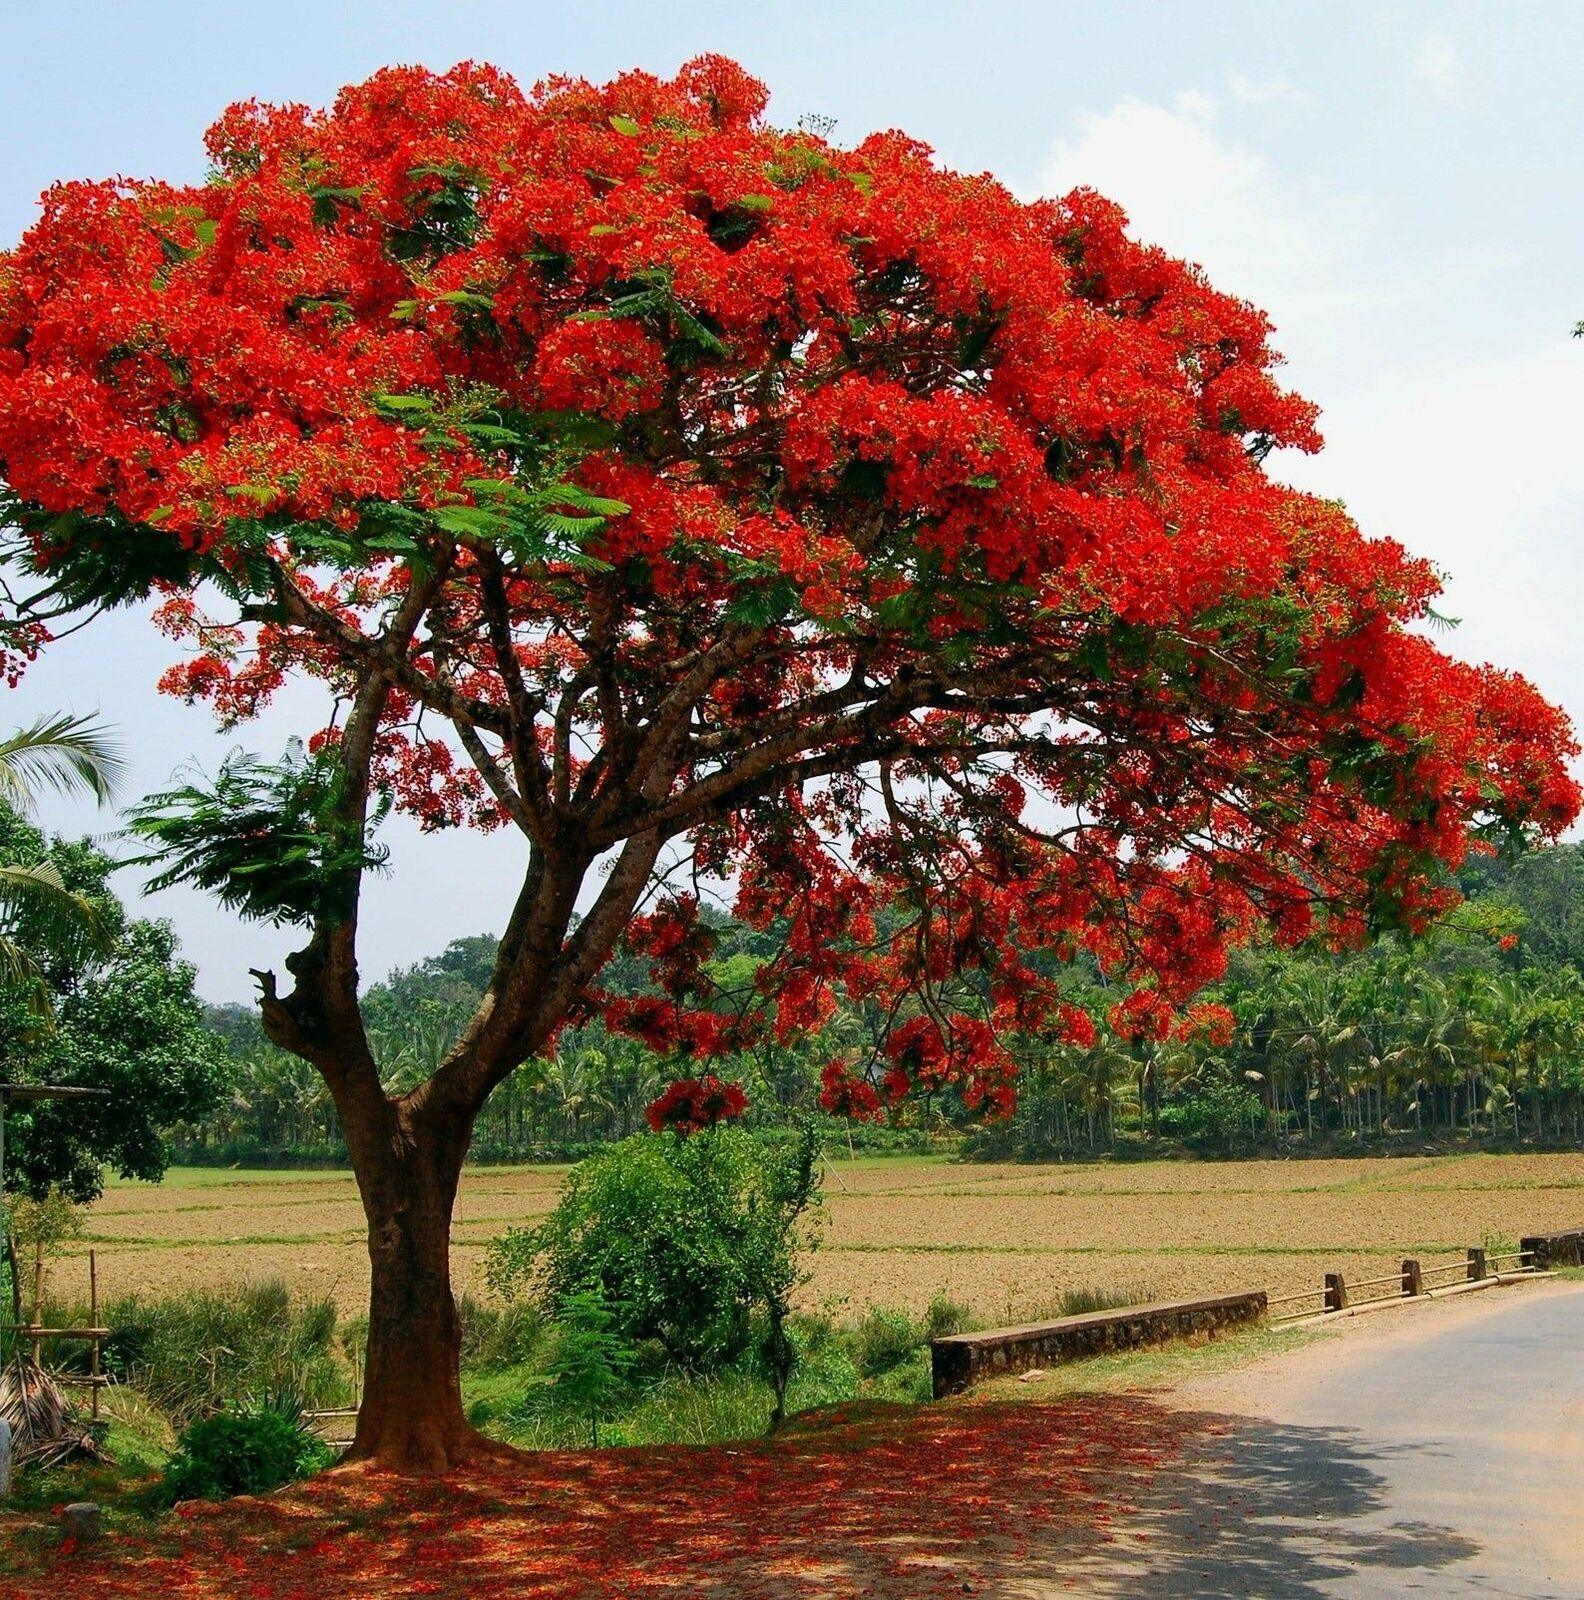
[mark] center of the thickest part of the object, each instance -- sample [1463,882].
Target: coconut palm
[40,917]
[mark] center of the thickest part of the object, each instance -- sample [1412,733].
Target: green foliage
[946,1317]
[48,925]
[591,1359]
[127,1020]
[201,1351]
[688,1240]
[59,755]
[1080,1301]
[270,839]
[1214,1115]
[885,1339]
[43,1222]
[494,1337]
[250,1450]
[662,1404]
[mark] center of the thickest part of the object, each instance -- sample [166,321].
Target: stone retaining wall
[963,1359]
[1555,1249]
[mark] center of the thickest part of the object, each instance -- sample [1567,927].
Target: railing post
[1412,1278]
[1335,1292]
[1476,1263]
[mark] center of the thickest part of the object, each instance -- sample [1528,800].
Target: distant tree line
[1476,1032]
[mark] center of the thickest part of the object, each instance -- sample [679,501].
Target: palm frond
[61,755]
[19,971]
[60,916]
[57,923]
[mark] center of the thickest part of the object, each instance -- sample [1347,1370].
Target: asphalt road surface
[1435,1451]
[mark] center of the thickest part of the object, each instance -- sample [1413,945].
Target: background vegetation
[1473,1034]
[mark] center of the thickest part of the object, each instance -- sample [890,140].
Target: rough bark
[411,1418]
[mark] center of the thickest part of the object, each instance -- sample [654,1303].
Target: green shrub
[885,1339]
[591,1361]
[691,1241]
[249,1450]
[497,1336]
[945,1317]
[1082,1300]
[1216,1116]
[825,1374]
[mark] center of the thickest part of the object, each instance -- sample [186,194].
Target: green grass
[1155,1367]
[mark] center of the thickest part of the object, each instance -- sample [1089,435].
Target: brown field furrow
[1005,1240]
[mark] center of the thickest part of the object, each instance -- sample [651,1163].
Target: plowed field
[1006,1240]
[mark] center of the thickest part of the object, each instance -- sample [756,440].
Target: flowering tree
[702,500]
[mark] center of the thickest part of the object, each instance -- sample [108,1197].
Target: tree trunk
[411,1418]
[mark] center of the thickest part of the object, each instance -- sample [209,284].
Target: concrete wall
[1555,1249]
[964,1359]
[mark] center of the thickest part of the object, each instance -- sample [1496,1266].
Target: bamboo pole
[38,1299]
[93,1318]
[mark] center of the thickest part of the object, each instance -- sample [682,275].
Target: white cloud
[1409,449]
[1216,201]
[1195,103]
[1269,91]
[1436,63]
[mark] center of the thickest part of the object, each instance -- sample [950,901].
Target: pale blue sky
[1398,184]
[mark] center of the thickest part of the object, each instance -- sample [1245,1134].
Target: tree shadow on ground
[1274,1510]
[1093,1494]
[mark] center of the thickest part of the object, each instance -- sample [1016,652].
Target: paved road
[1438,1457]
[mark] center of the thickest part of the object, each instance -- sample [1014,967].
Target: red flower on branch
[693,1105]
[843,1094]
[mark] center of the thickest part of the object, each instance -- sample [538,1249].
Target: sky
[1396,184]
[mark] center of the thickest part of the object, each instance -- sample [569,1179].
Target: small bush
[691,1242]
[498,1336]
[245,1451]
[885,1339]
[826,1374]
[592,1359]
[1218,1117]
[1079,1302]
[945,1317]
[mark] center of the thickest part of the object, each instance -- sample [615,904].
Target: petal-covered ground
[875,1501]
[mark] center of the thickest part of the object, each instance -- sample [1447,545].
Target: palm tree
[39,915]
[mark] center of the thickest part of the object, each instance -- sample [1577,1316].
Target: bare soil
[1005,1240]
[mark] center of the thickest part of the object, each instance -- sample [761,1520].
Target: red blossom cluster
[694,1105]
[20,644]
[843,1094]
[933,595]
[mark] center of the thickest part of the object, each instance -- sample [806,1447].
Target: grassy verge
[1156,1367]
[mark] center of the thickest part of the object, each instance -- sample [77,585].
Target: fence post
[1412,1278]
[1476,1263]
[1335,1292]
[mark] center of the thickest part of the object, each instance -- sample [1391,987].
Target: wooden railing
[1338,1293]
